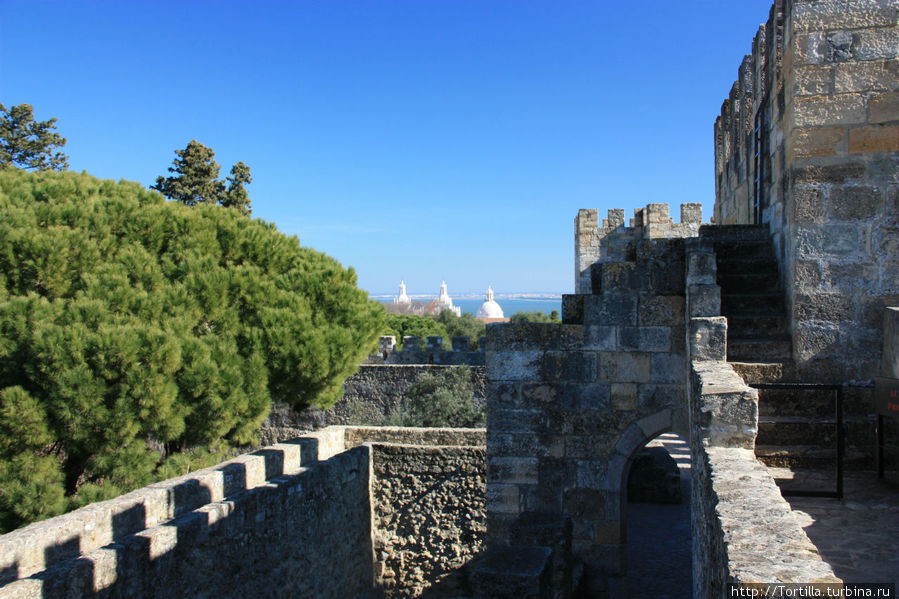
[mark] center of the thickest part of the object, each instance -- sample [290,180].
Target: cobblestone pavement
[857,535]
[659,538]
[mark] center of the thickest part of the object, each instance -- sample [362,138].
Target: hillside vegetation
[135,330]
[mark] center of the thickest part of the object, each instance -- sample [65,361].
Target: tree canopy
[29,144]
[401,325]
[196,180]
[536,316]
[132,328]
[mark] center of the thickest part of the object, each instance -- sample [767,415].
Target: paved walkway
[659,544]
[858,535]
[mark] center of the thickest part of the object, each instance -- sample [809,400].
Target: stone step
[765,372]
[813,431]
[757,304]
[744,250]
[812,457]
[733,233]
[740,265]
[748,282]
[760,349]
[812,403]
[742,326]
[513,572]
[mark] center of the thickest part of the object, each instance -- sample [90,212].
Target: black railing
[838,415]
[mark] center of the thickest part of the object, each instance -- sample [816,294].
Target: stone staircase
[797,427]
[751,295]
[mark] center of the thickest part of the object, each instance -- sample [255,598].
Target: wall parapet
[303,505]
[610,240]
[743,529]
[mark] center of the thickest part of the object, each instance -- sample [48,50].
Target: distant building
[490,311]
[403,304]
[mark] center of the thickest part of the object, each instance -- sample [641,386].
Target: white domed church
[490,311]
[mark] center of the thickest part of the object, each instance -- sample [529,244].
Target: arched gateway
[570,405]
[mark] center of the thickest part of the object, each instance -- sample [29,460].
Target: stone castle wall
[229,531]
[440,489]
[369,396]
[433,352]
[810,134]
[297,518]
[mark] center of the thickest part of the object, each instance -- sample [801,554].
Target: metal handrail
[838,409]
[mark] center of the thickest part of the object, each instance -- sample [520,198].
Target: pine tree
[29,144]
[134,329]
[196,179]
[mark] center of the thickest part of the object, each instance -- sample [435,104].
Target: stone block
[853,202]
[537,395]
[624,367]
[669,277]
[571,336]
[569,365]
[521,365]
[822,111]
[512,470]
[410,343]
[525,445]
[691,213]
[841,240]
[460,342]
[518,421]
[655,397]
[584,396]
[822,306]
[704,300]
[503,394]
[870,75]
[668,368]
[702,268]
[839,173]
[616,308]
[808,204]
[590,472]
[514,572]
[522,336]
[842,14]
[504,498]
[661,310]
[624,396]
[819,141]
[434,343]
[708,338]
[650,339]
[874,138]
[874,44]
[813,80]
[582,503]
[572,309]
[601,337]
[618,276]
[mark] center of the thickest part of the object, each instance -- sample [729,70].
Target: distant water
[511,306]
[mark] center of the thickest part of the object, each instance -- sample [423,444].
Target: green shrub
[132,329]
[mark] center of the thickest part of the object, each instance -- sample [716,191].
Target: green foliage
[132,329]
[442,399]
[401,325]
[466,324]
[196,180]
[536,316]
[29,144]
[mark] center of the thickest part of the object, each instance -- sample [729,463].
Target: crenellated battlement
[595,242]
[432,353]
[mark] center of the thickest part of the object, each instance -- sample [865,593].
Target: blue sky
[416,139]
